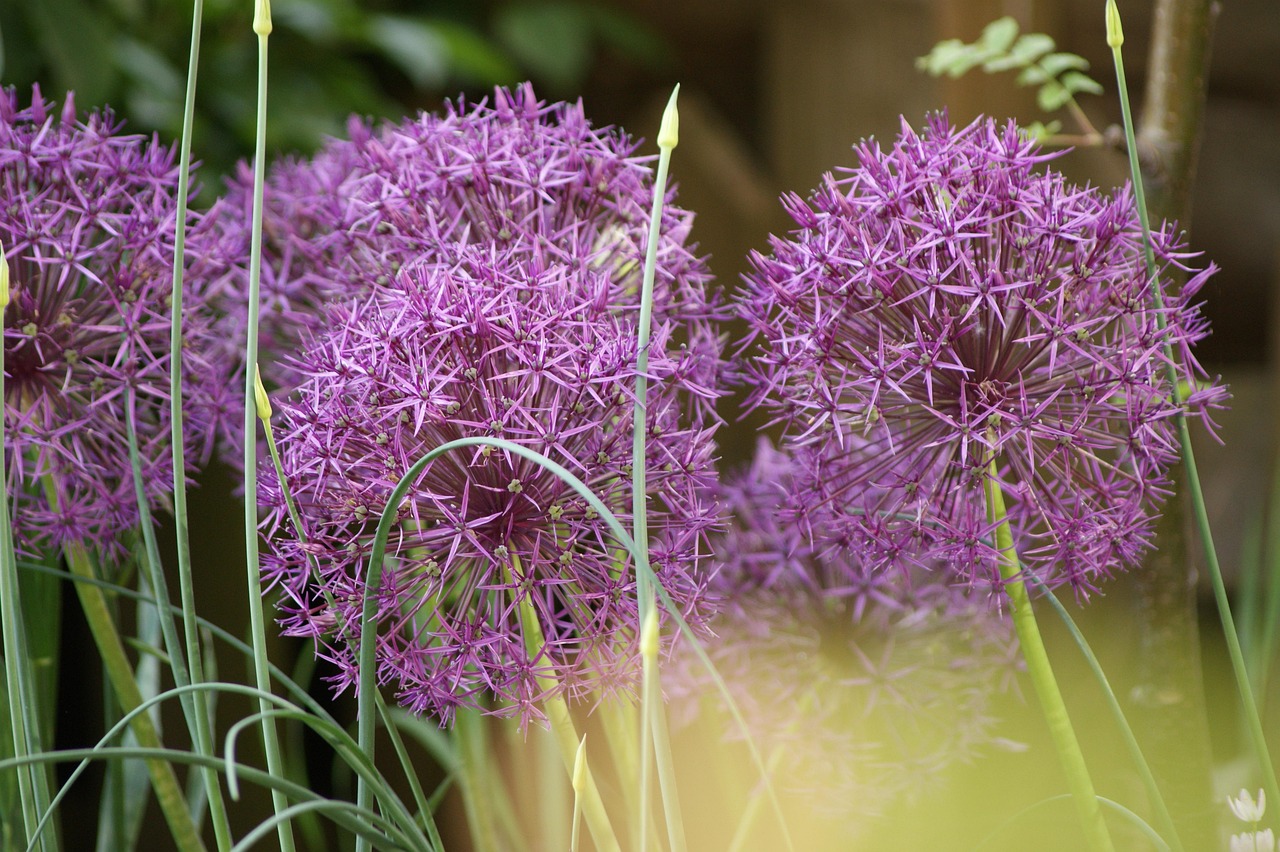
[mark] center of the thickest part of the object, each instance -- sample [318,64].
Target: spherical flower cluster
[945,310]
[869,684]
[87,221]
[506,172]
[510,343]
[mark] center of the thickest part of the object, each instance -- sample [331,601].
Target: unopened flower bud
[669,132]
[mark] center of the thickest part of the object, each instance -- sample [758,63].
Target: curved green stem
[1042,678]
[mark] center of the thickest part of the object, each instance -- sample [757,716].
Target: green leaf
[552,40]
[1033,75]
[77,41]
[1056,63]
[476,59]
[1042,132]
[944,56]
[997,37]
[1052,96]
[1075,82]
[415,46]
[1025,50]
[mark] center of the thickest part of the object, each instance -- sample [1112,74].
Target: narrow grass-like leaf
[1117,712]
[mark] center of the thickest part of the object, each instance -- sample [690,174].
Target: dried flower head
[946,304]
[873,683]
[87,222]
[497,341]
[503,172]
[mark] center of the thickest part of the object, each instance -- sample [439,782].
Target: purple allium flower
[946,304]
[513,171]
[87,220]
[501,341]
[868,684]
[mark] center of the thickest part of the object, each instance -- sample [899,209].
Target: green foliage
[329,59]
[1059,76]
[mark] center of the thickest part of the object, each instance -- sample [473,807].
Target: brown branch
[1173,103]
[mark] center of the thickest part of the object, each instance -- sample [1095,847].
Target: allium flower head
[946,304]
[873,684]
[508,171]
[491,341]
[87,222]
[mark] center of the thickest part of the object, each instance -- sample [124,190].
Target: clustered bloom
[869,684]
[87,221]
[945,307]
[500,341]
[506,172]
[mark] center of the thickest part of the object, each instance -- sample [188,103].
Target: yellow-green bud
[4,279]
[260,396]
[649,635]
[262,18]
[669,132]
[1115,33]
[580,766]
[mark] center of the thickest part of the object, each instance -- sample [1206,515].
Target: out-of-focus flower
[1254,841]
[868,685]
[507,342]
[1246,808]
[87,218]
[944,305]
[506,172]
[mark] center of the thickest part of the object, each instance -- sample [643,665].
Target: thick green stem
[119,671]
[1041,673]
[562,725]
[475,758]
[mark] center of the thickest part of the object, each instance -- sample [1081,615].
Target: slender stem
[271,740]
[197,708]
[120,673]
[651,709]
[1042,678]
[1253,720]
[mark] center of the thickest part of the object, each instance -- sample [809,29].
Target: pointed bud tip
[1115,32]
[580,765]
[260,397]
[262,18]
[669,133]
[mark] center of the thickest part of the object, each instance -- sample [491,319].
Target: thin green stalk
[1253,720]
[651,693]
[270,738]
[198,716]
[1131,741]
[120,673]
[1042,678]
[33,790]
